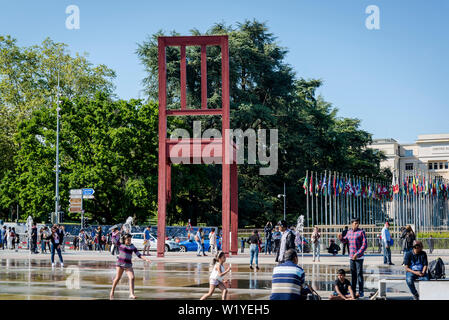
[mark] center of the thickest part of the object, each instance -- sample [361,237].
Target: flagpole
[311,197]
[316,197]
[325,197]
[307,196]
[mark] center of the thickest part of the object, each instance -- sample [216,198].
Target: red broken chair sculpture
[220,146]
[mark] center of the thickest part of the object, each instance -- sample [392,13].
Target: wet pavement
[28,277]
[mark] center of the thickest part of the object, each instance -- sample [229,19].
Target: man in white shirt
[213,241]
[386,242]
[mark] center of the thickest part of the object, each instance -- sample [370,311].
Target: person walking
[3,236]
[42,240]
[242,244]
[345,244]
[46,235]
[76,242]
[82,240]
[356,238]
[213,241]
[216,276]
[62,231]
[407,236]
[277,235]
[254,241]
[115,238]
[288,279]
[315,239]
[416,264]
[124,263]
[33,246]
[146,241]
[430,243]
[98,235]
[56,238]
[386,242]
[11,238]
[287,241]
[199,239]
[268,230]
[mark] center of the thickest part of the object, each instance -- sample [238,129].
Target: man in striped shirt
[357,245]
[288,279]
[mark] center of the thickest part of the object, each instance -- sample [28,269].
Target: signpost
[76,200]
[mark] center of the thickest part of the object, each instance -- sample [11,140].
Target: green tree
[28,81]
[109,146]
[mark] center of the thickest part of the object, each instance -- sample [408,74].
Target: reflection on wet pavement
[35,279]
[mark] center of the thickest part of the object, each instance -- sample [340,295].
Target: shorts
[214,282]
[336,294]
[124,265]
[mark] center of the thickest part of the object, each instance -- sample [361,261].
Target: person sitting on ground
[288,279]
[342,288]
[333,247]
[415,263]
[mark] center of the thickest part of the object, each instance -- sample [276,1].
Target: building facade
[429,155]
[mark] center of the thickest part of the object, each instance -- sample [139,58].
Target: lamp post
[56,217]
[284,196]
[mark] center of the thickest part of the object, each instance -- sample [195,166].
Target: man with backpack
[416,264]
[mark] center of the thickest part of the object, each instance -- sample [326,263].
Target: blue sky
[393,79]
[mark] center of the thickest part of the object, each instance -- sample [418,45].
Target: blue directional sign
[88,191]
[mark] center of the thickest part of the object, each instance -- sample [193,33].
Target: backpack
[436,269]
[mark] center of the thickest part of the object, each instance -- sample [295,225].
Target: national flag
[348,187]
[311,184]
[305,185]
[334,185]
[324,186]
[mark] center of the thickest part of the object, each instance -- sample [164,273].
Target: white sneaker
[52,265]
[62,265]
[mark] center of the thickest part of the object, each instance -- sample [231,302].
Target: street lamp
[57,156]
[283,195]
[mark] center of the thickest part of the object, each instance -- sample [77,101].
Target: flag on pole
[305,185]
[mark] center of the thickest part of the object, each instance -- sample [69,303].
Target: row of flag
[421,185]
[343,185]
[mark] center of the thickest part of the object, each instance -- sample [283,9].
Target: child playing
[216,277]
[343,289]
[124,263]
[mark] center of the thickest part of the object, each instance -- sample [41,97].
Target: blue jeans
[357,274]
[268,246]
[254,252]
[316,250]
[53,248]
[410,278]
[386,253]
[200,248]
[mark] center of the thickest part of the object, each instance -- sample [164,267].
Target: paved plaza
[89,274]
